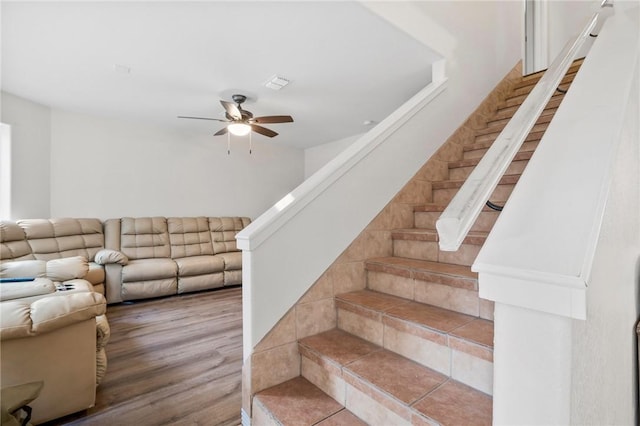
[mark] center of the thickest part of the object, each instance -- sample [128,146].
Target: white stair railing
[463,210]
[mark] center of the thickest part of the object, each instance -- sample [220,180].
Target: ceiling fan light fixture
[239,129]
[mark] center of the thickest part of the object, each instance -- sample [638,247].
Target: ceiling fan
[242,122]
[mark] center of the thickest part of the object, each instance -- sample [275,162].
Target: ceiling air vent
[276,82]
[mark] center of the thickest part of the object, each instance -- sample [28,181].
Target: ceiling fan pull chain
[228,143]
[250,144]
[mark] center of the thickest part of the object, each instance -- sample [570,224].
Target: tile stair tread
[298,401]
[539,126]
[545,117]
[412,266]
[508,111]
[527,88]
[448,184]
[431,235]
[571,72]
[534,136]
[406,382]
[520,156]
[433,207]
[343,348]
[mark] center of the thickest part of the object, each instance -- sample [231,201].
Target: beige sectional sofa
[135,258]
[157,256]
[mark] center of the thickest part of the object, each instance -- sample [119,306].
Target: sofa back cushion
[189,236]
[64,237]
[223,232]
[144,237]
[13,242]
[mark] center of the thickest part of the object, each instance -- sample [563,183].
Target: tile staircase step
[532,79]
[416,243]
[425,216]
[526,89]
[298,402]
[383,387]
[478,149]
[499,123]
[430,235]
[444,191]
[446,285]
[538,127]
[463,168]
[505,112]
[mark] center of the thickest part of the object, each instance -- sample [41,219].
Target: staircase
[416,346]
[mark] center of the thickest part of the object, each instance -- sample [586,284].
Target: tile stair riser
[508,112]
[324,375]
[488,139]
[461,173]
[462,300]
[261,416]
[499,123]
[427,347]
[484,223]
[430,250]
[526,88]
[444,196]
[479,153]
[532,79]
[495,130]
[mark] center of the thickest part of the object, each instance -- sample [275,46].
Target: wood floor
[171,361]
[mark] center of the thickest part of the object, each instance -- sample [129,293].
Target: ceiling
[152,61]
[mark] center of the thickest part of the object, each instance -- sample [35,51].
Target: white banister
[463,210]
[561,263]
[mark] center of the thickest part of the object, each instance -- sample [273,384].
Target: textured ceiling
[346,65]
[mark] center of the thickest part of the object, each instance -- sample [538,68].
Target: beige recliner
[51,338]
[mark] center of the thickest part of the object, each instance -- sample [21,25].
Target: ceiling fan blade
[273,119]
[232,109]
[221,132]
[203,118]
[263,130]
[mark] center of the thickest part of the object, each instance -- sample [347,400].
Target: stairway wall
[275,358]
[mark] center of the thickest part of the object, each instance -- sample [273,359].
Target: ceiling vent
[276,82]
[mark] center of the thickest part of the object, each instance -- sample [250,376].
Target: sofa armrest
[107,256]
[113,282]
[23,318]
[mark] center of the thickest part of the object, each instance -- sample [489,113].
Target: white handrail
[463,210]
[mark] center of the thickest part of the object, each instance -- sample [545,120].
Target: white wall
[605,358]
[30,151]
[565,20]
[318,156]
[69,164]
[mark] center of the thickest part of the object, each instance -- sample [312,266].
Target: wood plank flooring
[171,361]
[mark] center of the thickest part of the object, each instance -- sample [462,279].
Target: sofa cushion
[144,237]
[13,242]
[19,290]
[199,265]
[189,236]
[149,269]
[224,230]
[23,268]
[232,260]
[64,237]
[67,268]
